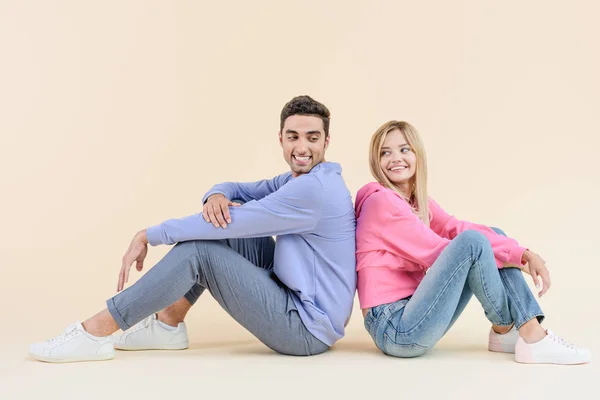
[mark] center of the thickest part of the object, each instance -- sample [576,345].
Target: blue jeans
[411,326]
[238,273]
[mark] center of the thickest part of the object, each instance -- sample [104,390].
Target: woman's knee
[472,237]
[474,242]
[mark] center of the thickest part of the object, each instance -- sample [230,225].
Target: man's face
[303,142]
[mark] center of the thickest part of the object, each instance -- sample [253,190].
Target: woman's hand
[536,267]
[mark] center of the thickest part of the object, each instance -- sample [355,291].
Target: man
[295,295]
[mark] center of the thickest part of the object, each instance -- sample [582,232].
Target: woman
[418,266]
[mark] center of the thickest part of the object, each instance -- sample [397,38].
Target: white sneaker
[73,345]
[151,334]
[503,343]
[550,350]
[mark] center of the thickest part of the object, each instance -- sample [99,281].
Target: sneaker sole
[552,363]
[100,357]
[176,346]
[522,361]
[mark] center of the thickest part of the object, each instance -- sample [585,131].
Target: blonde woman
[419,266]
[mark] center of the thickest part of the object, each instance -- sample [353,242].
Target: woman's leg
[410,329]
[523,305]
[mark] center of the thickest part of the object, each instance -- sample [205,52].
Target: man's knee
[201,250]
[204,247]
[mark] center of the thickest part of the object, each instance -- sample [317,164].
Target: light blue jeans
[411,326]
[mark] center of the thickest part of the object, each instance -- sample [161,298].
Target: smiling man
[294,294]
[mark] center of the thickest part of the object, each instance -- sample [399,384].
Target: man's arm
[295,208]
[248,191]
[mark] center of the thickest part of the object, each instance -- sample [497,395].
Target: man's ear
[327,142]
[280,139]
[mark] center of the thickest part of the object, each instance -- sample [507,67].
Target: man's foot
[73,345]
[550,350]
[503,343]
[152,334]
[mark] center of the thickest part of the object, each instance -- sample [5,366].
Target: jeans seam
[388,338]
[517,302]
[485,291]
[515,299]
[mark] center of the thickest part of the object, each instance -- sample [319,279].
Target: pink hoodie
[394,247]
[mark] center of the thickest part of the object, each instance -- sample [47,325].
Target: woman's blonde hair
[419,198]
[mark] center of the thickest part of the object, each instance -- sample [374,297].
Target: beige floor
[227,362]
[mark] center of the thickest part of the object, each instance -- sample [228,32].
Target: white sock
[168,327]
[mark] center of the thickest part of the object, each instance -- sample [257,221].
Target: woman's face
[398,161]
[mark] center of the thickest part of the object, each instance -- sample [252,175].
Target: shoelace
[561,341]
[146,322]
[67,334]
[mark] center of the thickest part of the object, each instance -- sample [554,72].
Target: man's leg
[252,295]
[161,286]
[259,251]
[166,329]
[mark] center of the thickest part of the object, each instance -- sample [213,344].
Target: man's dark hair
[305,105]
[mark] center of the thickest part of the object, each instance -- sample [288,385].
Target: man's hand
[138,248]
[536,267]
[216,210]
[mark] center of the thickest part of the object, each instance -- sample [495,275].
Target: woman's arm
[506,250]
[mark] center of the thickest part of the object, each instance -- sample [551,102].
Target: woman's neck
[405,191]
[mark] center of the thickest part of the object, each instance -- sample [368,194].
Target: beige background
[116,115]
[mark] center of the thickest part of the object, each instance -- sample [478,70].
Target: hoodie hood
[364,193]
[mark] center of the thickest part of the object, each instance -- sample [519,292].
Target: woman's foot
[551,349]
[503,342]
